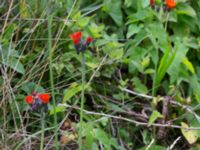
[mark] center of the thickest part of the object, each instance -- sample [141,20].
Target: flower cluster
[37,100]
[170,4]
[80,45]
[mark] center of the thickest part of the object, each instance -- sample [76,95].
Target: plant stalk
[42,132]
[50,49]
[82,100]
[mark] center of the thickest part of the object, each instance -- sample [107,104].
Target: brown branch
[186,107]
[137,123]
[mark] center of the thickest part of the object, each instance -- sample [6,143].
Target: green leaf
[186,10]
[188,65]
[57,109]
[155,115]
[139,86]
[96,30]
[83,22]
[15,65]
[89,135]
[194,83]
[114,50]
[145,3]
[71,91]
[29,87]
[133,29]
[159,39]
[128,3]
[145,62]
[149,71]
[91,65]
[181,51]
[8,33]
[103,138]
[140,15]
[113,8]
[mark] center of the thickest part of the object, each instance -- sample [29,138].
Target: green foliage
[155,115]
[137,52]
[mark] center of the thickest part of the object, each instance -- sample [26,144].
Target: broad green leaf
[114,50]
[186,10]
[115,108]
[135,54]
[188,65]
[188,134]
[89,135]
[95,146]
[128,3]
[114,142]
[57,109]
[8,33]
[133,29]
[16,65]
[149,71]
[195,84]
[29,87]
[145,3]
[155,115]
[91,65]
[139,86]
[140,15]
[117,54]
[159,39]
[71,91]
[145,62]
[181,51]
[103,138]
[96,30]
[83,22]
[113,8]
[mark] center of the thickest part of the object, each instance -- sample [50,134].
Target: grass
[106,116]
[50,49]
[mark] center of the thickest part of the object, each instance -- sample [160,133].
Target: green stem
[42,132]
[82,100]
[50,49]
[154,88]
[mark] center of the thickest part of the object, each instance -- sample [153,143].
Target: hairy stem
[50,49]
[82,100]
[42,132]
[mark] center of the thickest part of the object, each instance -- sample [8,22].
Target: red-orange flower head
[79,44]
[152,2]
[89,40]
[44,97]
[76,37]
[170,4]
[29,99]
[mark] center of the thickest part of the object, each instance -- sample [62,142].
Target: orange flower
[152,3]
[76,37]
[29,99]
[89,40]
[44,97]
[170,4]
